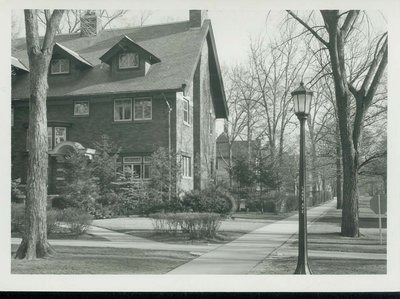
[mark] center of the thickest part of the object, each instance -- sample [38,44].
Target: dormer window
[128,60]
[59,66]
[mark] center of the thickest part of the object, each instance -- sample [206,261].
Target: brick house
[127,83]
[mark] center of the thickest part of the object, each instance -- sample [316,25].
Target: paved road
[243,254]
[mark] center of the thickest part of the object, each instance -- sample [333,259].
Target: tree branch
[312,31]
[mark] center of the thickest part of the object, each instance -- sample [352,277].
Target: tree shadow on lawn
[364,222]
[324,266]
[222,237]
[95,260]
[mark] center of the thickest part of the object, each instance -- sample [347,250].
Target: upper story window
[59,66]
[122,110]
[81,108]
[143,109]
[128,60]
[186,119]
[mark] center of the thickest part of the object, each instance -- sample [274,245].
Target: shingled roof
[177,45]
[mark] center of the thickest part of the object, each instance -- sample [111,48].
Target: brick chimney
[90,23]
[197,17]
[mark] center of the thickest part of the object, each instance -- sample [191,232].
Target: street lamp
[302,98]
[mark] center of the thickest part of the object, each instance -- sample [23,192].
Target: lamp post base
[303,268]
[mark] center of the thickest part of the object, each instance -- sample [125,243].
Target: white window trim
[128,67]
[189,159]
[188,111]
[122,120]
[134,108]
[141,163]
[59,72]
[84,101]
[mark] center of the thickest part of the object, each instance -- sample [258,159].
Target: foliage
[51,221]
[243,172]
[210,200]
[104,163]
[76,220]
[165,172]
[17,195]
[81,189]
[17,217]
[196,225]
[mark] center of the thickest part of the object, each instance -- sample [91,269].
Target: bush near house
[68,221]
[195,225]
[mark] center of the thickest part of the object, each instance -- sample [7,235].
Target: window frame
[142,164]
[128,67]
[187,102]
[134,109]
[187,166]
[82,101]
[60,72]
[123,113]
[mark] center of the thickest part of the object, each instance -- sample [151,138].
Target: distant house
[123,83]
[240,148]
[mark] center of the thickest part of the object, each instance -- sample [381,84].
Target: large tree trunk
[34,241]
[339,183]
[349,157]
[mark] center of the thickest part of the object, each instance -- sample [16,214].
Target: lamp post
[302,98]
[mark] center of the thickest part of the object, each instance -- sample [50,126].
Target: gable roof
[127,42]
[73,54]
[176,45]
[15,62]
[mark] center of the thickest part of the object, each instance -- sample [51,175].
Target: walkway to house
[243,254]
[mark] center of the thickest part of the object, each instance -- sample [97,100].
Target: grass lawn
[90,260]
[330,266]
[65,236]
[181,238]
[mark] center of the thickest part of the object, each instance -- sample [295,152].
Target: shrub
[51,221]
[76,220]
[17,195]
[165,222]
[196,225]
[17,218]
[206,201]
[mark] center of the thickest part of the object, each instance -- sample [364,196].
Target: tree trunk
[339,184]
[34,241]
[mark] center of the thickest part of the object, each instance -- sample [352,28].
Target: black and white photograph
[201,146]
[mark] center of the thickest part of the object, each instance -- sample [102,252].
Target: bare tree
[338,28]
[34,242]
[71,21]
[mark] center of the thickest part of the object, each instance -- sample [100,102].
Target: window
[128,60]
[210,123]
[137,168]
[81,108]
[143,109]
[123,110]
[187,166]
[12,116]
[59,66]
[186,119]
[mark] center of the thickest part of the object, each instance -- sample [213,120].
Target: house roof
[239,147]
[15,62]
[176,45]
[73,54]
[126,41]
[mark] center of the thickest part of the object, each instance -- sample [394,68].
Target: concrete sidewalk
[243,254]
